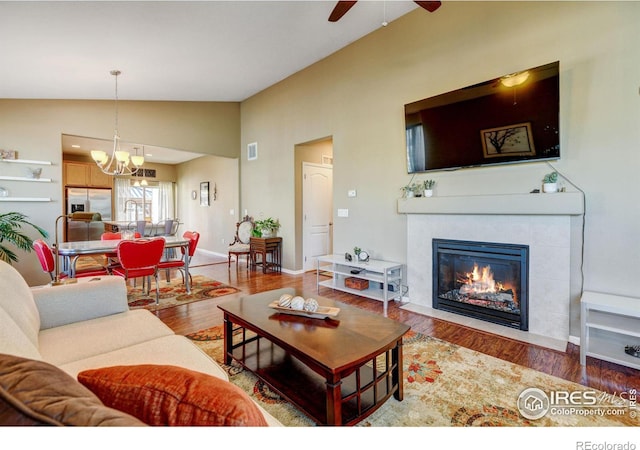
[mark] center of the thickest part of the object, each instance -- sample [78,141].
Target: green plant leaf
[11,225]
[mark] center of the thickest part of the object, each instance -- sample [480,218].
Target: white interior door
[317,210]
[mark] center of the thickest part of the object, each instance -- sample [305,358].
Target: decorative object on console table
[356,283]
[550,183]
[266,228]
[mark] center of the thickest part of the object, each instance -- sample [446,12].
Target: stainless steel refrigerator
[87,200]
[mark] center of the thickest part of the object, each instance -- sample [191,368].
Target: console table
[263,247]
[384,277]
[609,322]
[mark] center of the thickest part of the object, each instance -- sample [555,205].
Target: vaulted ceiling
[171,50]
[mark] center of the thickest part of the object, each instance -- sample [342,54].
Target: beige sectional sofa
[88,325]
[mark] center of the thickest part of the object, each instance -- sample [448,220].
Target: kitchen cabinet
[85,175]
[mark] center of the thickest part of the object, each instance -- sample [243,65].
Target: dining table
[71,251]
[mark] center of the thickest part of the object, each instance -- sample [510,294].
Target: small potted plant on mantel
[427,187]
[266,228]
[550,182]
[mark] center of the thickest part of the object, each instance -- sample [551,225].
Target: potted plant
[427,187]
[409,190]
[11,224]
[550,182]
[266,228]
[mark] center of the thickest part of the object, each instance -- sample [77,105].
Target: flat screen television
[501,121]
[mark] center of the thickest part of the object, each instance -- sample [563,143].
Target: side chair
[48,262]
[112,258]
[241,241]
[179,264]
[140,258]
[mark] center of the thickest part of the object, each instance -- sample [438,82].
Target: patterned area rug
[174,293]
[446,385]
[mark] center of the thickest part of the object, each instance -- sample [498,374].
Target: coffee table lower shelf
[358,393]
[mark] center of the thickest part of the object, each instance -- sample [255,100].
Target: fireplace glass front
[487,281]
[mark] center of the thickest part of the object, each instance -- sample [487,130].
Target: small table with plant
[270,252]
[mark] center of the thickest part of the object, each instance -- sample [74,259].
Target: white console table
[380,274]
[609,323]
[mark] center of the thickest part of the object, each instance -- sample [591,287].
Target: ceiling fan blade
[430,6]
[341,9]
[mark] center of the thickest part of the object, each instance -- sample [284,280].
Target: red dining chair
[193,237]
[112,257]
[48,263]
[140,258]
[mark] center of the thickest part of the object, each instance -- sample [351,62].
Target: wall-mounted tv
[510,119]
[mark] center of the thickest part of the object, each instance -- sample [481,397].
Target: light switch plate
[343,213]
[352,193]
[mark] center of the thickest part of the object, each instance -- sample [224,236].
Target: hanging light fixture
[515,79]
[118,162]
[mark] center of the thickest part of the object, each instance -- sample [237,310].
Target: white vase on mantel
[549,188]
[428,192]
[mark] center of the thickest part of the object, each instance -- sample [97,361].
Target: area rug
[446,385]
[174,293]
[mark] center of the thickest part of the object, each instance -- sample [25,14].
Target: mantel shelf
[563,203]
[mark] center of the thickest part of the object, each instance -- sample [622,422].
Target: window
[151,203]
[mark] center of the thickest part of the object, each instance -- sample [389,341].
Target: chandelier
[118,162]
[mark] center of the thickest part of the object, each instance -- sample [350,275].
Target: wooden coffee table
[336,370]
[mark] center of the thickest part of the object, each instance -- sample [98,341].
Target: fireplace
[483,280]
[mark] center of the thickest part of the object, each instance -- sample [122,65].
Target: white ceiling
[169,50]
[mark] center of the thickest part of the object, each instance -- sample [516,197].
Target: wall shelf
[25,199]
[35,180]
[27,161]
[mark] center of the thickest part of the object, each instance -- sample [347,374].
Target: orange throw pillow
[170,395]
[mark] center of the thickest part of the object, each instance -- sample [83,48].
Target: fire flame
[480,280]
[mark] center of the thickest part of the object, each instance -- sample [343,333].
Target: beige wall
[34,128]
[357,95]
[216,222]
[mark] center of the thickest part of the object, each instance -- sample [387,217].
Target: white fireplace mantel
[563,203]
[541,221]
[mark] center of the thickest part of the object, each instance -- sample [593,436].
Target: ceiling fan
[342,7]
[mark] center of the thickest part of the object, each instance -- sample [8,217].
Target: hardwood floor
[597,374]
